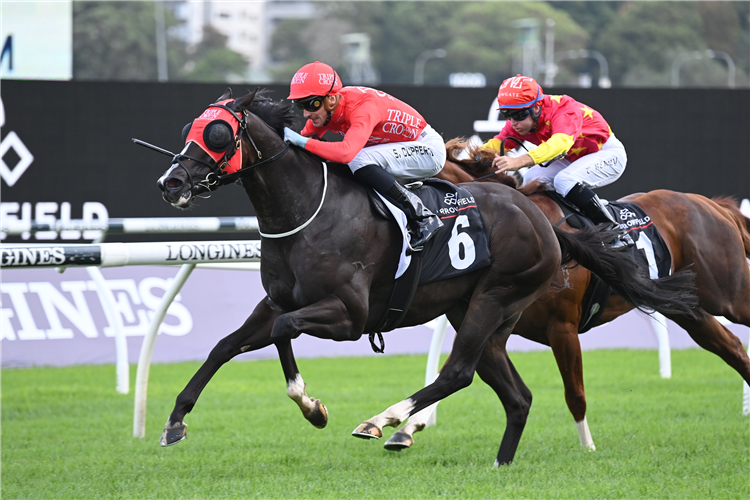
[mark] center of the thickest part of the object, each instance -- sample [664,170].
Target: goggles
[515,114]
[314,103]
[310,103]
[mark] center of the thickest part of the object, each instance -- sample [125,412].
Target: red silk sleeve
[363,121]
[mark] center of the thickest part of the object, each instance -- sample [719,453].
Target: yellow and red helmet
[519,92]
[314,79]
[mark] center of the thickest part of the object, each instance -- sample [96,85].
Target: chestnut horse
[329,261]
[709,236]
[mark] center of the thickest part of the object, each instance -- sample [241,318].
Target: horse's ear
[246,100]
[226,95]
[186,131]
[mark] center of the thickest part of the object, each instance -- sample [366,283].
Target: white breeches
[418,159]
[595,169]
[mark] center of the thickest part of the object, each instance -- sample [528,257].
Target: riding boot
[423,224]
[592,207]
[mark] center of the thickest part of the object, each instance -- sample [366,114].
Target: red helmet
[314,79]
[519,92]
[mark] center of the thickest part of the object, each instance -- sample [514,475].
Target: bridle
[216,177]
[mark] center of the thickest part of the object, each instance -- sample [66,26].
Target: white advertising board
[37,40]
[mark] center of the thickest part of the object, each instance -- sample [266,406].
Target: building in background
[248,26]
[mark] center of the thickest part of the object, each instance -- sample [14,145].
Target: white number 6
[459,240]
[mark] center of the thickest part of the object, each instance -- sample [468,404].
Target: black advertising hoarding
[84,162]
[67,154]
[67,150]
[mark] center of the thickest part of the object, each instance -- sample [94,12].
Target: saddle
[464,233]
[572,214]
[649,251]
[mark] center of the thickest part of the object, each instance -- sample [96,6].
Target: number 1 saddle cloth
[649,251]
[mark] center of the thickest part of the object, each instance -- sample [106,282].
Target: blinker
[214,131]
[186,131]
[218,136]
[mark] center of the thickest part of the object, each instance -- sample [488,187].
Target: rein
[502,153]
[303,226]
[215,178]
[227,178]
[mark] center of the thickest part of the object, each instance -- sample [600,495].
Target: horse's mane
[479,163]
[276,113]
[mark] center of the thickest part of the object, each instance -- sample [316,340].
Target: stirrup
[426,230]
[622,240]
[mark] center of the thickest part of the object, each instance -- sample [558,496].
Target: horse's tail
[674,294]
[741,221]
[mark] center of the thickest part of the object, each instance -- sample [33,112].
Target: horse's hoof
[368,430]
[319,416]
[173,433]
[398,442]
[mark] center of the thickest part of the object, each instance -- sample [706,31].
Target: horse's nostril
[173,183]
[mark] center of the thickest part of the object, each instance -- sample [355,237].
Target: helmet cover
[314,79]
[519,92]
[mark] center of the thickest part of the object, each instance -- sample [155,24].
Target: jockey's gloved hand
[292,137]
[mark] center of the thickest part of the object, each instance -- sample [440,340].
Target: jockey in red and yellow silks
[565,127]
[384,139]
[573,140]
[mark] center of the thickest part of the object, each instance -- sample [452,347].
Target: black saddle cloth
[649,251]
[461,246]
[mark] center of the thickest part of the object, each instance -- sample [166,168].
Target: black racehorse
[329,261]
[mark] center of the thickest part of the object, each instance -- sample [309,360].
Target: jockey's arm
[362,125]
[557,145]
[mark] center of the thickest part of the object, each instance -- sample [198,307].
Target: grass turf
[66,433]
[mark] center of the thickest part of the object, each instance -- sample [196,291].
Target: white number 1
[647,247]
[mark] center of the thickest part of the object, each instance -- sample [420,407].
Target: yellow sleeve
[556,145]
[493,144]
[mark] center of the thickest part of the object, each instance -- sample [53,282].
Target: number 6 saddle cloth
[461,246]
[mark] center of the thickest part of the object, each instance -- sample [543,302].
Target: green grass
[66,433]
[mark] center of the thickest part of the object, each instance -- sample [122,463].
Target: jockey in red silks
[581,149]
[384,139]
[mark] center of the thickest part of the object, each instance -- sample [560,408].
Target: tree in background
[212,61]
[296,42]
[478,37]
[484,37]
[399,32]
[114,41]
[593,17]
[642,42]
[117,41]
